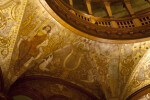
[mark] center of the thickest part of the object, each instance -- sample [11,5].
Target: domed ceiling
[43,58]
[117,7]
[105,21]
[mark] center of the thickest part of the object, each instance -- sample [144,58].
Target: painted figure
[43,66]
[31,48]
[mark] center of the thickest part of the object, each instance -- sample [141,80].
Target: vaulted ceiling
[40,53]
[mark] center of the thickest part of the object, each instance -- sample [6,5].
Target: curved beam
[108,9]
[89,8]
[129,7]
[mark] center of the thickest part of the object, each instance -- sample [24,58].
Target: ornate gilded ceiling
[34,44]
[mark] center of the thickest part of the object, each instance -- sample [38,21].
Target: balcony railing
[128,28]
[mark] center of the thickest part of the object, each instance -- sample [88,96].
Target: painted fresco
[140,76]
[11,13]
[130,56]
[44,47]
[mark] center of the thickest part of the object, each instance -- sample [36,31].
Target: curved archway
[140,94]
[55,81]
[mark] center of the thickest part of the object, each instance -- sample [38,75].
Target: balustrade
[145,20]
[129,22]
[127,28]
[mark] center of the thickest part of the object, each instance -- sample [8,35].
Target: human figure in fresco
[31,48]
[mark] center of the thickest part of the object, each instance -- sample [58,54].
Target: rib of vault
[140,76]
[11,14]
